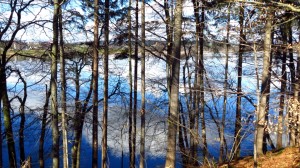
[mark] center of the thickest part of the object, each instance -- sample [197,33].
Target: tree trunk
[130,138]
[238,125]
[265,78]
[63,92]
[95,85]
[143,87]
[43,129]
[222,155]
[105,87]
[173,117]
[22,122]
[136,46]
[282,91]
[201,83]
[194,117]
[53,82]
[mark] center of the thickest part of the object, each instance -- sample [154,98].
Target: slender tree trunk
[143,82]
[95,85]
[105,100]
[194,118]
[265,78]
[22,122]
[174,103]
[201,82]
[78,120]
[53,82]
[43,129]
[130,138]
[222,155]
[238,125]
[169,31]
[136,46]
[282,90]
[63,92]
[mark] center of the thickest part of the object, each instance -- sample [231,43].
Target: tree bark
[238,125]
[43,129]
[265,78]
[143,88]
[282,91]
[63,91]
[130,137]
[53,85]
[95,85]
[105,88]
[222,155]
[201,83]
[173,117]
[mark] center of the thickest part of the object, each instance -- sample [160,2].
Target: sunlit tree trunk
[63,92]
[174,103]
[95,85]
[238,126]
[282,90]
[143,110]
[265,78]
[105,88]
[53,85]
[222,128]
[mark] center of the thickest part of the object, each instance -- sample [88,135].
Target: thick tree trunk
[143,87]
[63,92]
[95,85]
[105,87]
[53,85]
[222,155]
[174,104]
[265,78]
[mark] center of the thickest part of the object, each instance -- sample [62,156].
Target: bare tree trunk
[143,87]
[222,155]
[238,126]
[53,82]
[105,100]
[95,85]
[136,47]
[174,103]
[169,31]
[265,78]
[201,82]
[22,122]
[282,90]
[63,91]
[194,118]
[130,138]
[43,129]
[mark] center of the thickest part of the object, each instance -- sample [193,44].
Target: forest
[149,83]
